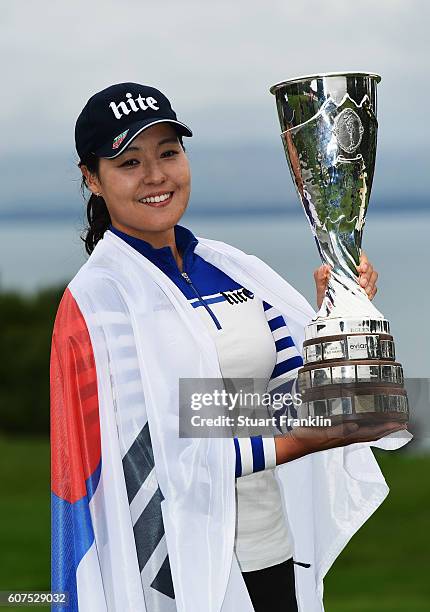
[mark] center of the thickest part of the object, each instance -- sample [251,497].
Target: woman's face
[153,166]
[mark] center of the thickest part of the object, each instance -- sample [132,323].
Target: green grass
[385,568]
[24,516]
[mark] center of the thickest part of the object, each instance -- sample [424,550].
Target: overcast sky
[216,61]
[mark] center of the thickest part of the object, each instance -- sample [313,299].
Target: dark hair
[98,216]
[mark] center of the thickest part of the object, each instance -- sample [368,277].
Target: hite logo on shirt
[134,105]
[238,296]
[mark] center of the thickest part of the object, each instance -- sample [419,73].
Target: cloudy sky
[216,61]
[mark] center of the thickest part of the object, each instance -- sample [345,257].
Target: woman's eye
[129,163]
[170,153]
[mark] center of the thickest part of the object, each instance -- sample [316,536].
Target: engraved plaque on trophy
[329,132]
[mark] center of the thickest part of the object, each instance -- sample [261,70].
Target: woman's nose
[153,173]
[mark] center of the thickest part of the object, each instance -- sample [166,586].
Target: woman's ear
[91,180]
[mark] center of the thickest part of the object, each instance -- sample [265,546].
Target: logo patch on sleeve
[118,140]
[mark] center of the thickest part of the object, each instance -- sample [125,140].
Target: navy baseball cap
[113,117]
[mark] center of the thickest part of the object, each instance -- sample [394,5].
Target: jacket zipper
[214,319]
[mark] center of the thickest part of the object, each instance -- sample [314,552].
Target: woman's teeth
[156,199]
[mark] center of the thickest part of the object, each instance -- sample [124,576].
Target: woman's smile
[157,200]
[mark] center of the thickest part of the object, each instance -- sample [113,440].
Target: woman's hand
[367,278]
[301,441]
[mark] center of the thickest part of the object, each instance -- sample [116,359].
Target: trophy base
[351,374]
[350,345]
[346,325]
[362,403]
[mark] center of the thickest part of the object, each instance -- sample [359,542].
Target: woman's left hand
[367,278]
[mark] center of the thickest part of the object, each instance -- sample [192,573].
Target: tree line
[25,334]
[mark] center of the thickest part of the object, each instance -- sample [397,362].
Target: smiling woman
[142,518]
[152,173]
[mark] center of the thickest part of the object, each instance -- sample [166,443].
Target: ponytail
[97,213]
[98,222]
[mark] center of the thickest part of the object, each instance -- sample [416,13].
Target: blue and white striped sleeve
[288,360]
[288,357]
[257,453]
[254,454]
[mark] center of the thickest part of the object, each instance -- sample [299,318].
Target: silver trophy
[329,132]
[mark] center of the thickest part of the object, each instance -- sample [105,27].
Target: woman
[144,519]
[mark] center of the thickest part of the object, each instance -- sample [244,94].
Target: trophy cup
[329,132]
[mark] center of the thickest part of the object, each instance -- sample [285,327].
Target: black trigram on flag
[145,497]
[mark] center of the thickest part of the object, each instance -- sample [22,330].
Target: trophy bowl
[329,132]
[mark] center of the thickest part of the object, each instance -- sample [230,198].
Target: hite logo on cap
[118,140]
[142,104]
